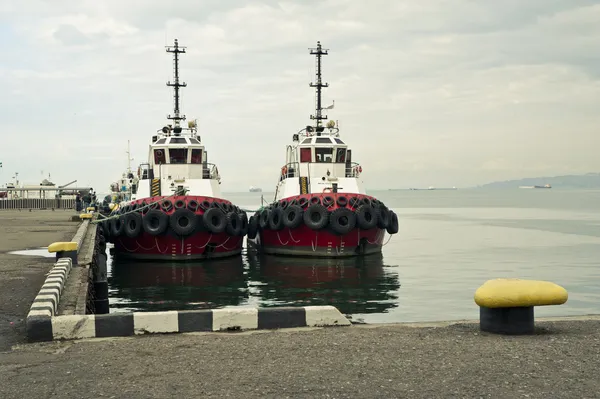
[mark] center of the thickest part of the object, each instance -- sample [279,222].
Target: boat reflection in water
[356,286]
[157,286]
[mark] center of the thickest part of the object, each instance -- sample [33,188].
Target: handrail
[353,169]
[210,171]
[291,169]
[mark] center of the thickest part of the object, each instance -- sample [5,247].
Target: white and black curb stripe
[46,301]
[127,324]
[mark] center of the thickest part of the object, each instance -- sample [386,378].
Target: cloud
[427,93]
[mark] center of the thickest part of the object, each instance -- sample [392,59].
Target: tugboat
[176,211]
[321,208]
[122,190]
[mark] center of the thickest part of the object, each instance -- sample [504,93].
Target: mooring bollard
[506,305]
[64,250]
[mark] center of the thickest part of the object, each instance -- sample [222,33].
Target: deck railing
[37,203]
[351,169]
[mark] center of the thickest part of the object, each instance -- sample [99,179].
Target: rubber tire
[276,219]
[354,201]
[179,204]
[319,211]
[193,205]
[328,201]
[263,220]
[215,220]
[383,217]
[160,217]
[177,216]
[303,202]
[283,204]
[166,205]
[366,201]
[252,227]
[342,201]
[205,205]
[366,217]
[244,221]
[315,200]
[393,227]
[234,224]
[337,219]
[116,226]
[134,219]
[292,216]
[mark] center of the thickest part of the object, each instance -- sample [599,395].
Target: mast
[129,159]
[176,50]
[318,52]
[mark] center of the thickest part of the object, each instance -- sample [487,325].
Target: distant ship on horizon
[434,188]
[544,186]
[255,189]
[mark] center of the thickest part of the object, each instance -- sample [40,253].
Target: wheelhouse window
[340,155]
[159,157]
[305,155]
[196,155]
[324,155]
[323,140]
[178,155]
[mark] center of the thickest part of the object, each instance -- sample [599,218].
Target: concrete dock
[22,276]
[436,360]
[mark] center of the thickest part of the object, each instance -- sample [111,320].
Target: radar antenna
[176,50]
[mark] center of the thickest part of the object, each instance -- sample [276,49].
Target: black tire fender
[263,220]
[383,217]
[178,204]
[342,201]
[316,216]
[342,221]
[183,222]
[234,224]
[133,225]
[117,225]
[215,220]
[252,227]
[292,216]
[328,201]
[166,205]
[276,219]
[155,222]
[393,226]
[193,205]
[303,202]
[366,217]
[205,205]
[244,222]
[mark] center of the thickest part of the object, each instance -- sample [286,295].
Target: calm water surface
[449,243]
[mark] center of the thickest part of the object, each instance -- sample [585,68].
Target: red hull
[198,246]
[303,241]
[169,246]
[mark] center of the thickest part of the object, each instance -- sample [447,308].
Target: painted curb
[49,328]
[45,304]
[80,234]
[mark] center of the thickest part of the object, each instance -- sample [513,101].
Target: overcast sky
[431,92]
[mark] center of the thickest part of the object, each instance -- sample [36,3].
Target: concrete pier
[22,276]
[386,361]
